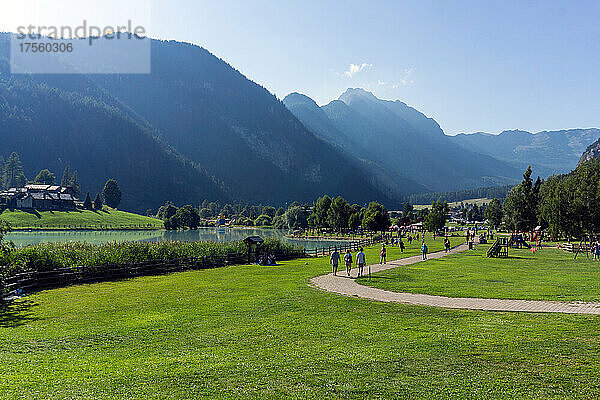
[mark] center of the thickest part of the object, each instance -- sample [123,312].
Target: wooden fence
[342,247]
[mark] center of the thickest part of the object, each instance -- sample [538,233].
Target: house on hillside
[39,197]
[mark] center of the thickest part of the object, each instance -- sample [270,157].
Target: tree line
[566,205]
[334,214]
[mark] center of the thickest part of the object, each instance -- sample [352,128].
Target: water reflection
[21,238]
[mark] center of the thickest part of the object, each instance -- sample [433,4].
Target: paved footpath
[344,285]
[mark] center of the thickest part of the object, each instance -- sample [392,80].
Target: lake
[26,238]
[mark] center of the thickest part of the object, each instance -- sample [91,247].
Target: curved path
[344,285]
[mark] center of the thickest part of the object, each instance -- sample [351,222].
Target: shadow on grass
[519,258]
[398,278]
[14,314]
[29,211]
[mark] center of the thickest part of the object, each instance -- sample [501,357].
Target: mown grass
[263,332]
[106,219]
[549,274]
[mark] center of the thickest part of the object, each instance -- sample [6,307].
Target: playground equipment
[500,248]
[516,241]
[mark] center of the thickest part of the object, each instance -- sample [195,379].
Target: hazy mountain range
[196,128]
[547,152]
[399,140]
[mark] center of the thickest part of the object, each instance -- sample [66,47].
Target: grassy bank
[263,332]
[549,274]
[80,219]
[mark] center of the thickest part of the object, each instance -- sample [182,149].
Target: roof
[37,187]
[253,240]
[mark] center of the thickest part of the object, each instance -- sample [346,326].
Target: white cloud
[406,78]
[355,69]
[381,83]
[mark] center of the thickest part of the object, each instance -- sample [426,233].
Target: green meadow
[548,274]
[264,332]
[90,219]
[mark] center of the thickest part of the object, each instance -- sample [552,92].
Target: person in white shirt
[361,260]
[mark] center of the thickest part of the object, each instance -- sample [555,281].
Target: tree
[45,177]
[112,193]
[87,204]
[408,212]
[558,208]
[186,217]
[494,213]
[437,217]
[376,217]
[13,175]
[521,204]
[338,214]
[166,211]
[280,212]
[227,211]
[320,211]
[269,210]
[98,202]
[205,213]
[296,218]
[69,180]
[354,221]
[263,220]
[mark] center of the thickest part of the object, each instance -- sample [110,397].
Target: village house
[39,197]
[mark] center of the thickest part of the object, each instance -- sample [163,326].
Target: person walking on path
[424,250]
[335,260]
[383,255]
[348,261]
[361,260]
[447,244]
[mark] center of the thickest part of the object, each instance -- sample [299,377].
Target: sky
[471,65]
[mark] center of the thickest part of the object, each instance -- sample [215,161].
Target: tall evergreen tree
[87,204]
[494,213]
[69,179]
[98,202]
[13,172]
[112,193]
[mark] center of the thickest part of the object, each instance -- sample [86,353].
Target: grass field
[549,274]
[263,332]
[479,202]
[106,219]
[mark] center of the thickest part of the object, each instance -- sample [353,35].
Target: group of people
[361,260]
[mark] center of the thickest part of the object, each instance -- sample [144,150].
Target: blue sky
[471,65]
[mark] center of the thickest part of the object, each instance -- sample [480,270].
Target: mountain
[591,153]
[194,128]
[53,121]
[547,152]
[317,121]
[400,140]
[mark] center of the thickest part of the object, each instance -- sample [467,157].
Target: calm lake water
[22,238]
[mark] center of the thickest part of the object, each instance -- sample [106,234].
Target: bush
[50,256]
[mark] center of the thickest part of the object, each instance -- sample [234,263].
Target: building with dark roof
[39,197]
